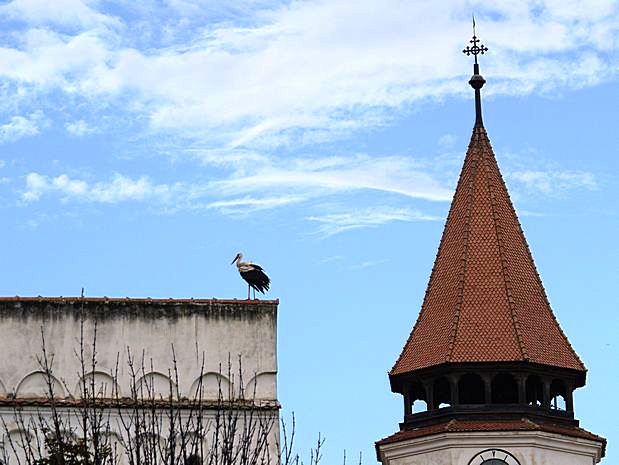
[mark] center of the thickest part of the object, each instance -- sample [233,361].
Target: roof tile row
[455,426]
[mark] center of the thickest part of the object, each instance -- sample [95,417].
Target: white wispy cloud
[283,75]
[447,141]
[367,264]
[332,258]
[529,213]
[119,189]
[20,126]
[268,183]
[554,182]
[248,204]
[80,128]
[336,223]
[59,12]
[326,175]
[265,184]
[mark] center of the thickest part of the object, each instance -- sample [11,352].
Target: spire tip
[477,81]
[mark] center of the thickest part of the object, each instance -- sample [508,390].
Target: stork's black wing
[256,278]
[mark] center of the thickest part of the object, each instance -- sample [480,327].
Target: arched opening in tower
[418,398]
[442,393]
[504,389]
[471,389]
[558,395]
[534,391]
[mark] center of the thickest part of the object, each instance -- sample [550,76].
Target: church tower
[486,357]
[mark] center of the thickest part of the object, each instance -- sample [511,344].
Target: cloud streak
[395,175]
[554,182]
[337,223]
[266,184]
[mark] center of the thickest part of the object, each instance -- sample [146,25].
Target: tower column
[522,388]
[569,398]
[487,388]
[429,394]
[407,403]
[546,394]
[453,382]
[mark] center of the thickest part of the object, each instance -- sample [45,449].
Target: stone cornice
[480,440]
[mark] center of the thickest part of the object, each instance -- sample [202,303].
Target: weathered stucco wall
[261,426]
[206,335]
[223,350]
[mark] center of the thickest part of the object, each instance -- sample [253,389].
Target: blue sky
[142,144]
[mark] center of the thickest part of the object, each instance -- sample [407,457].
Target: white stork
[253,274]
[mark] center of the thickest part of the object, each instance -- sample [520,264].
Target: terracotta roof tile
[455,426]
[485,301]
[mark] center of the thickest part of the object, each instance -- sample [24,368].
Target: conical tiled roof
[485,301]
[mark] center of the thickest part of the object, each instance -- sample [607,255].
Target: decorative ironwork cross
[475,49]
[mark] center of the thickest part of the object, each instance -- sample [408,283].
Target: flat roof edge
[104,299]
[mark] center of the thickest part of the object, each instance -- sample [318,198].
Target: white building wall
[260,423]
[205,335]
[229,345]
[528,447]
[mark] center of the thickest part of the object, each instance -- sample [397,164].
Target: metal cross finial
[477,81]
[475,49]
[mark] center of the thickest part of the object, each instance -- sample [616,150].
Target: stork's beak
[235,259]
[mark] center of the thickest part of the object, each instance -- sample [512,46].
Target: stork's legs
[249,292]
